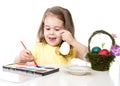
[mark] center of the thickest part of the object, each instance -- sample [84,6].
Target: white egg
[64,48]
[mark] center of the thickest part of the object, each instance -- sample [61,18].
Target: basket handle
[100,31]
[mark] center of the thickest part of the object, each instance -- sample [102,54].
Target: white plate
[77,70]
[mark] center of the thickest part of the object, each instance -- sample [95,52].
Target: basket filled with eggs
[101,58]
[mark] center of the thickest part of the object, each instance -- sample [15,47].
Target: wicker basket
[100,62]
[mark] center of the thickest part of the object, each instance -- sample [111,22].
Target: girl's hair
[62,14]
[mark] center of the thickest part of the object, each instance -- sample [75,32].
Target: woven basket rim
[100,31]
[100,62]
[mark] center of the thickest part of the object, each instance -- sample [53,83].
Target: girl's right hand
[25,56]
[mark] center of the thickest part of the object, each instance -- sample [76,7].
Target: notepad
[30,68]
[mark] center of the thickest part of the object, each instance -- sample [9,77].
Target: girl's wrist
[73,42]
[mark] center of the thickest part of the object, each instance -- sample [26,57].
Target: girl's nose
[51,31]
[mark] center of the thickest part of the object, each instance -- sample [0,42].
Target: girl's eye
[47,28]
[57,29]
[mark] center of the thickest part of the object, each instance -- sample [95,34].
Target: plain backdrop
[20,20]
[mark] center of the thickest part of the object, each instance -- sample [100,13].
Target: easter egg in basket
[102,60]
[103,52]
[96,49]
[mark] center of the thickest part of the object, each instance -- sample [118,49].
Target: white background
[20,20]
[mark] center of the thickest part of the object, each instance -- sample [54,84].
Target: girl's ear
[64,48]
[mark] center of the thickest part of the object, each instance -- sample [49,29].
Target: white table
[96,78]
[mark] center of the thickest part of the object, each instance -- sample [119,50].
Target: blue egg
[96,49]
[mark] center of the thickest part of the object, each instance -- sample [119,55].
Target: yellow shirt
[45,54]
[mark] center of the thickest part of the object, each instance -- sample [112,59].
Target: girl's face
[52,30]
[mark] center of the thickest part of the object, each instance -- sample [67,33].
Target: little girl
[56,27]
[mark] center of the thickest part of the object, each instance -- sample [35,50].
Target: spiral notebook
[30,69]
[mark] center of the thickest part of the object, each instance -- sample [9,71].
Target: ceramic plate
[77,70]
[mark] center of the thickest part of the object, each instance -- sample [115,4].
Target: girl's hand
[67,36]
[25,56]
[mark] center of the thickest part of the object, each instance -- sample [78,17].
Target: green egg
[96,49]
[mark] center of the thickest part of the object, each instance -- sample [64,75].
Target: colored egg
[103,52]
[96,49]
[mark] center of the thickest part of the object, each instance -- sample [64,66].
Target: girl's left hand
[67,36]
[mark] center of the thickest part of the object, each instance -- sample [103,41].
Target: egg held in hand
[64,48]
[103,52]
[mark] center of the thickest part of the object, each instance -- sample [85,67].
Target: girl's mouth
[52,39]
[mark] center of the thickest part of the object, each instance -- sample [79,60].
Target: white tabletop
[61,78]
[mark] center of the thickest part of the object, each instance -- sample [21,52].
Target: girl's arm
[81,49]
